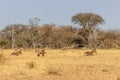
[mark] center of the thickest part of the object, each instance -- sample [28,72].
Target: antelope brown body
[90,53]
[42,52]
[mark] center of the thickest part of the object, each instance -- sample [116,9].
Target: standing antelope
[90,53]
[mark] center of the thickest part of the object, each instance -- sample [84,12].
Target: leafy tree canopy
[87,19]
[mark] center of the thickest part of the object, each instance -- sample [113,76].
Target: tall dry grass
[61,65]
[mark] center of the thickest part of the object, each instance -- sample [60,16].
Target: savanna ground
[60,65]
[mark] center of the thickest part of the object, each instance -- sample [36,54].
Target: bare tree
[13,37]
[34,22]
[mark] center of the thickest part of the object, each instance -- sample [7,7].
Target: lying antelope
[42,52]
[16,53]
[90,53]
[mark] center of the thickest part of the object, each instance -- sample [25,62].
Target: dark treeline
[53,36]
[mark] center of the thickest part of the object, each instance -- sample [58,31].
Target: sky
[58,12]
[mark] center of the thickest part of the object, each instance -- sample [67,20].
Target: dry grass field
[60,65]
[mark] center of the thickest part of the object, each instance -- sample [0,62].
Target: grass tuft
[31,65]
[53,69]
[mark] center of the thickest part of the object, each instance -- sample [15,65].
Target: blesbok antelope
[42,52]
[16,53]
[90,53]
